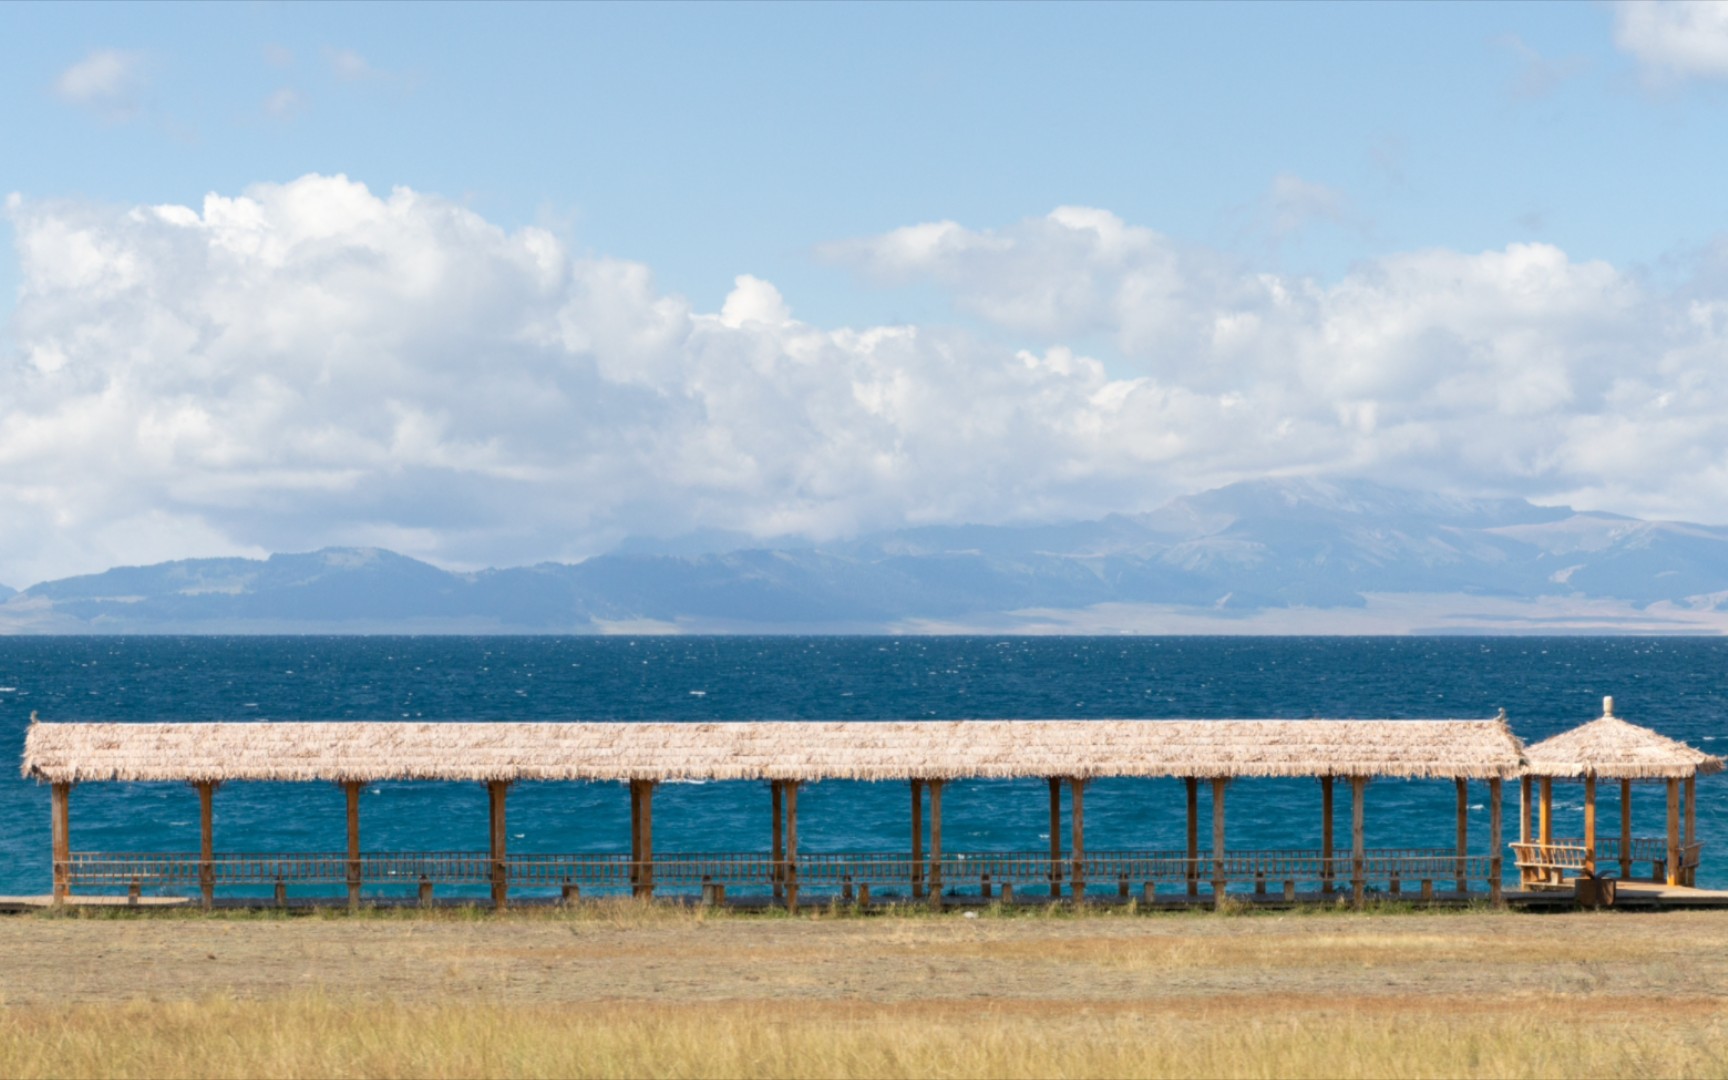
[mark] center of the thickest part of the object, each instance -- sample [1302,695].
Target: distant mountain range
[1284,556]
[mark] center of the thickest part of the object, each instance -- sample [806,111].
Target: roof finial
[1608,706]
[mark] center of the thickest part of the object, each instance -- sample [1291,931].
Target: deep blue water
[1676,686]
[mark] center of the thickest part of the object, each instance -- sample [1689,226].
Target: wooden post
[1496,843]
[1326,845]
[1545,815]
[1626,829]
[1193,785]
[1673,831]
[642,838]
[1460,878]
[1218,880]
[1524,833]
[936,840]
[1358,849]
[635,838]
[206,842]
[60,815]
[1590,824]
[1055,837]
[777,847]
[791,848]
[351,789]
[917,839]
[496,792]
[1691,837]
[1077,823]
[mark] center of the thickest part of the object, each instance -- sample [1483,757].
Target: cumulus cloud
[1518,370]
[1675,39]
[107,81]
[312,363]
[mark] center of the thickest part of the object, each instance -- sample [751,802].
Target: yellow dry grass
[628,989]
[309,1036]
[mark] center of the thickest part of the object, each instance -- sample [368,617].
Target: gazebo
[1609,748]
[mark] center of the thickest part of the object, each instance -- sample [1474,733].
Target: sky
[495,284]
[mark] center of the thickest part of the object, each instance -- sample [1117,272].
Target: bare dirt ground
[1668,964]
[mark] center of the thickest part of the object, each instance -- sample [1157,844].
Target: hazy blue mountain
[1236,553]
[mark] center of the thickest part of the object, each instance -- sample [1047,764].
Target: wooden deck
[1639,896]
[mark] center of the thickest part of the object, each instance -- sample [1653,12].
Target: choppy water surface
[1676,686]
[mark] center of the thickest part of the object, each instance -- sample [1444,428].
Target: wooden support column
[917,839]
[1590,824]
[60,816]
[635,838]
[1626,829]
[1055,837]
[1524,831]
[777,845]
[935,842]
[642,837]
[1193,785]
[1545,826]
[1673,831]
[206,842]
[1496,843]
[1218,880]
[791,787]
[1545,812]
[1326,846]
[1462,880]
[351,789]
[1526,827]
[498,841]
[1691,835]
[1358,849]
[1077,845]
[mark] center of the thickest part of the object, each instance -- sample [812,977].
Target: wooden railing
[1394,869]
[1554,864]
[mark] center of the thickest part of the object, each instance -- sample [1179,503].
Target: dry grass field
[622,989]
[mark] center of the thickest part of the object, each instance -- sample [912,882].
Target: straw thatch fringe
[361,751]
[1612,749]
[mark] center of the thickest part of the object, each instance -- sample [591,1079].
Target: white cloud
[283,103]
[106,81]
[754,300]
[1675,38]
[1295,203]
[312,363]
[348,64]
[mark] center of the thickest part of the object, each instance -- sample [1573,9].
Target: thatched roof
[788,751]
[1613,749]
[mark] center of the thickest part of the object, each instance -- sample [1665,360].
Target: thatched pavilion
[1609,748]
[928,755]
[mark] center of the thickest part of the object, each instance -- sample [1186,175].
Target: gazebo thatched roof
[1611,748]
[365,751]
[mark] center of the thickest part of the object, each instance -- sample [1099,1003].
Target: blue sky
[1445,161]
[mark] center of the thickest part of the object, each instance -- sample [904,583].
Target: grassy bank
[314,1036]
[629,990]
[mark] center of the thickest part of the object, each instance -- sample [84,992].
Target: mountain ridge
[1251,557]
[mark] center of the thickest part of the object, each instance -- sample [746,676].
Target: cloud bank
[1675,39]
[312,363]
